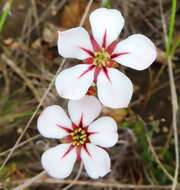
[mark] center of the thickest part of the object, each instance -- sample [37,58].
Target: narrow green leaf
[171,28]
[5,13]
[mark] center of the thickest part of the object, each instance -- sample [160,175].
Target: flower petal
[96,161]
[88,108]
[73,83]
[141,52]
[59,161]
[106,20]
[71,41]
[104,132]
[115,91]
[51,119]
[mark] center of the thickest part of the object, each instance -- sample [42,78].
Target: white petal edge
[71,85]
[98,163]
[57,163]
[48,122]
[141,52]
[115,93]
[71,41]
[109,20]
[88,108]
[104,132]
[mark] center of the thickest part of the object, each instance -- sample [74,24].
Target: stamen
[78,136]
[101,58]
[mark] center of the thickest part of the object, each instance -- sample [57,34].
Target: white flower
[100,52]
[83,138]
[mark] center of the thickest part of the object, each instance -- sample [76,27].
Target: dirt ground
[144,157]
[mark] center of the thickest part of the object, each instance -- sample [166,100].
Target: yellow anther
[77,143]
[102,58]
[78,136]
[83,136]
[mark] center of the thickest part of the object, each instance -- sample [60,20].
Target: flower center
[101,58]
[79,136]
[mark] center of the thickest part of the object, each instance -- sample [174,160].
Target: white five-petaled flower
[83,138]
[99,52]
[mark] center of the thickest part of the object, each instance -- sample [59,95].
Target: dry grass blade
[29,181]
[155,155]
[174,122]
[20,144]
[158,161]
[44,14]
[18,71]
[76,178]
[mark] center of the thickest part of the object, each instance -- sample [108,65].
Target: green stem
[171,28]
[5,14]
[106,3]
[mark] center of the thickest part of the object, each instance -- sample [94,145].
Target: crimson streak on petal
[111,47]
[104,39]
[64,128]
[89,52]
[68,151]
[96,73]
[95,45]
[105,70]
[118,54]
[86,71]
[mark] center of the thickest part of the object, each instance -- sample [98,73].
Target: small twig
[28,182]
[19,72]
[154,153]
[45,14]
[164,85]
[157,160]
[20,144]
[35,13]
[76,178]
[174,121]
[6,80]
[82,21]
